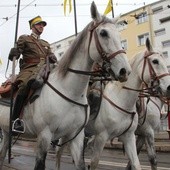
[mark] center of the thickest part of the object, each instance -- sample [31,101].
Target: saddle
[5,89]
[5,93]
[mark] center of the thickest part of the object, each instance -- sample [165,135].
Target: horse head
[154,72]
[105,45]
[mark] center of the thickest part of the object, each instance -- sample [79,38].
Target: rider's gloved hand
[52,58]
[14,52]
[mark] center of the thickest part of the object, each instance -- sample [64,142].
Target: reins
[74,102]
[125,111]
[115,105]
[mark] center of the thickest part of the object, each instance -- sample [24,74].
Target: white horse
[58,115]
[149,124]
[116,117]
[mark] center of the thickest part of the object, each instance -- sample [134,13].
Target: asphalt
[162,143]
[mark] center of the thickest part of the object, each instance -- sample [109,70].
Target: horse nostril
[122,71]
[168,88]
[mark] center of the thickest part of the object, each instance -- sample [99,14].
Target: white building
[61,46]
[160,12]
[159,31]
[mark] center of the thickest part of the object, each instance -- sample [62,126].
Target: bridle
[106,67]
[153,75]
[149,90]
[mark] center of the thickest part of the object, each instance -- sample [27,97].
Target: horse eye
[155,61]
[103,33]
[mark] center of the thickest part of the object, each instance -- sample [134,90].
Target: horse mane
[133,60]
[69,55]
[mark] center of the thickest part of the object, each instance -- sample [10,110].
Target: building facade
[160,27]
[151,21]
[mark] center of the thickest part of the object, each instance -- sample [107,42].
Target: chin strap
[37,30]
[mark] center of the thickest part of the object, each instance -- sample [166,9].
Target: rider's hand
[14,52]
[52,58]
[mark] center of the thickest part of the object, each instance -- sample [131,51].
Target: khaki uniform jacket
[33,56]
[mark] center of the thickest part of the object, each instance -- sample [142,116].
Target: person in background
[35,53]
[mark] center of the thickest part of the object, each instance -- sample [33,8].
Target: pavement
[162,143]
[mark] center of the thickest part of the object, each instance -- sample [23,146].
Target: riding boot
[18,124]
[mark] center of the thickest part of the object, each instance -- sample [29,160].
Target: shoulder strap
[39,46]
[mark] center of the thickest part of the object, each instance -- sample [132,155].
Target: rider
[35,52]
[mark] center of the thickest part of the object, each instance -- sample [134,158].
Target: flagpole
[75,17]
[112,9]
[12,89]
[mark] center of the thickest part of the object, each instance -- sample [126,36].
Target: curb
[160,146]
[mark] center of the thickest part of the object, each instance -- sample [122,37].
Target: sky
[58,26]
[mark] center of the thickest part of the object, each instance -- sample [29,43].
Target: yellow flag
[108,8]
[70,6]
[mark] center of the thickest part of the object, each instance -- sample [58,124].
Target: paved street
[24,159]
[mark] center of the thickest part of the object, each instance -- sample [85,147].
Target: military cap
[36,20]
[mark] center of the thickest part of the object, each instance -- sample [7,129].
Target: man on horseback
[35,54]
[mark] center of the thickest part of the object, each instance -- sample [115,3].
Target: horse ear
[94,13]
[148,45]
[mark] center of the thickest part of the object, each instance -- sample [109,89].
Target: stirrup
[18,131]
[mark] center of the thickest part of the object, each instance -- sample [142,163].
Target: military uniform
[33,57]
[34,53]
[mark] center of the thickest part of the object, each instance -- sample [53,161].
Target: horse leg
[139,144]
[4,148]
[99,143]
[149,142]
[77,151]
[43,143]
[129,142]
[59,151]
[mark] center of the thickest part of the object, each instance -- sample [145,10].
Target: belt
[33,60]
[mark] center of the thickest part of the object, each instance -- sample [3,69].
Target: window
[166,43]
[160,32]
[163,20]
[58,46]
[165,53]
[122,25]
[157,10]
[142,39]
[142,17]
[124,44]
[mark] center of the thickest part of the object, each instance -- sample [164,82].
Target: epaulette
[44,41]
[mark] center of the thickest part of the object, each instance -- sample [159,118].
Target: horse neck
[75,85]
[133,82]
[126,98]
[158,102]
[79,82]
